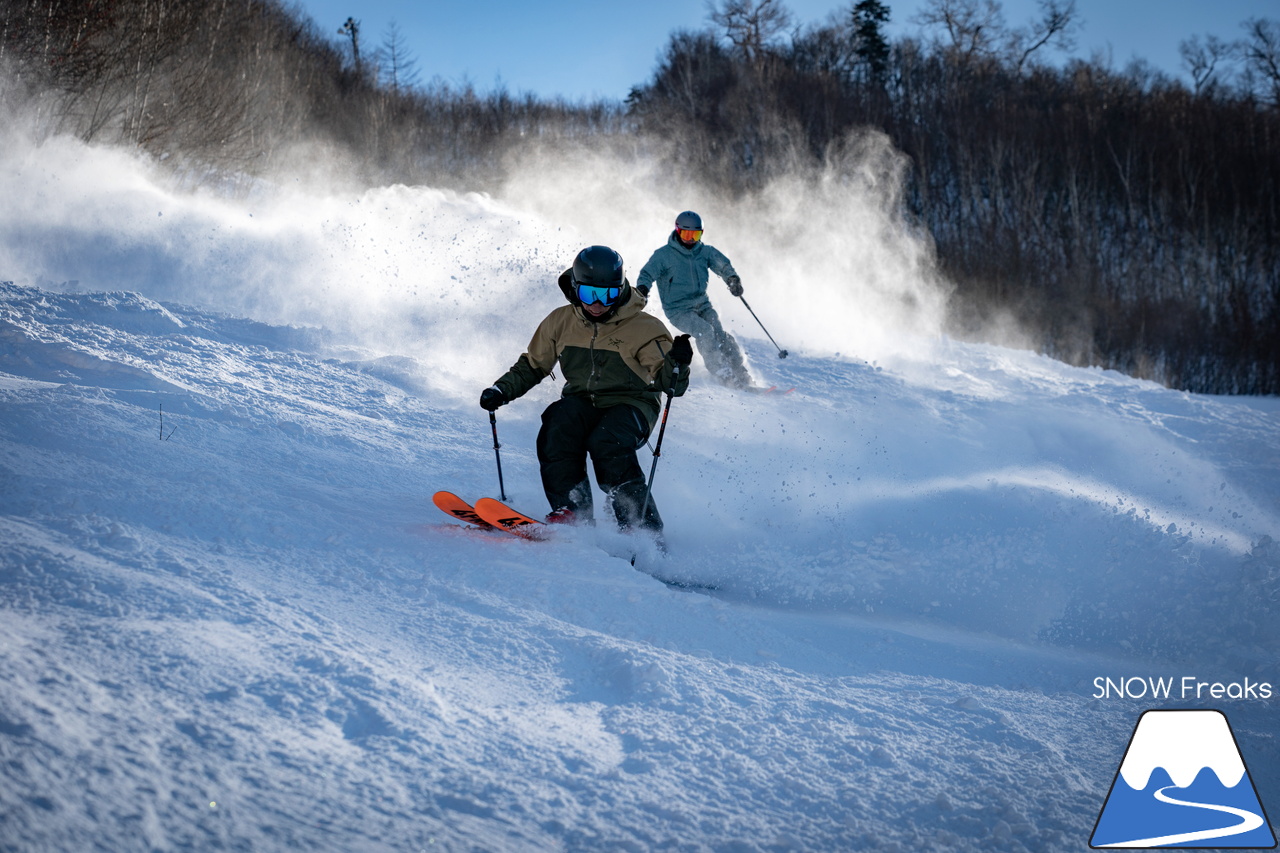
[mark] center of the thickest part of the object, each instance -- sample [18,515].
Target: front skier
[617,362]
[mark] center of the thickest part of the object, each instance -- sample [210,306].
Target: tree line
[1122,218]
[230,88]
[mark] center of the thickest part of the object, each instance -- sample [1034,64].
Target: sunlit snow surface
[245,626]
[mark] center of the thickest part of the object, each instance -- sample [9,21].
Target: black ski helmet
[688,221]
[598,266]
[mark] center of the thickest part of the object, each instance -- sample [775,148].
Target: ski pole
[493,422]
[657,449]
[781,352]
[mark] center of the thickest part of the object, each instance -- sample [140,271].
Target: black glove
[735,285]
[682,351]
[644,290]
[491,398]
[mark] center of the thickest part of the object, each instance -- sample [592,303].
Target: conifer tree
[870,44]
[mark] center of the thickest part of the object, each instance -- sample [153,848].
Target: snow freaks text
[1188,687]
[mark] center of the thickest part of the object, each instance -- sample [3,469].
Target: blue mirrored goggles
[587,294]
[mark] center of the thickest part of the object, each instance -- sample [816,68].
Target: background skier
[617,361]
[680,270]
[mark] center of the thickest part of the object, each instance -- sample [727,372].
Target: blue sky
[580,49]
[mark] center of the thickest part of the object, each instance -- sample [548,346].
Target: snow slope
[233,620]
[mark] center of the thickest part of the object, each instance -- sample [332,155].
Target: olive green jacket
[623,359]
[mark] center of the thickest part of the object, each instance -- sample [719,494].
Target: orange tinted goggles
[690,236]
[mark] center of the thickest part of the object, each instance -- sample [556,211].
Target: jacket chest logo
[616,343]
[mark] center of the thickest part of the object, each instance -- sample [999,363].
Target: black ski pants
[572,430]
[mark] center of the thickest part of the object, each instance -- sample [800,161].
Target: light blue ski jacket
[681,274]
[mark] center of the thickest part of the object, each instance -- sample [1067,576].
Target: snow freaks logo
[1182,783]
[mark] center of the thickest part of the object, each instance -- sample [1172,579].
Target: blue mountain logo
[1183,783]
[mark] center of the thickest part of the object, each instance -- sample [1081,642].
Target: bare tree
[1056,25]
[751,25]
[1202,57]
[1261,51]
[974,28]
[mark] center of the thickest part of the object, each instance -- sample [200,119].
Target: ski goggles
[588,294]
[690,236]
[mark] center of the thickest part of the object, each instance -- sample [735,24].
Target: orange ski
[456,507]
[503,517]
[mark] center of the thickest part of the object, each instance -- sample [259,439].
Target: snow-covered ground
[230,617]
